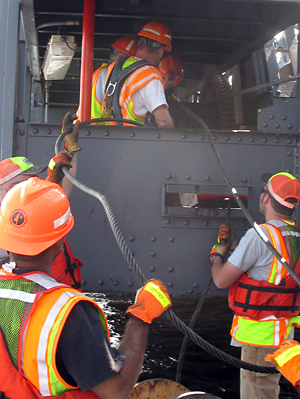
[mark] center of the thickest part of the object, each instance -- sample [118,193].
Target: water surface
[201,370]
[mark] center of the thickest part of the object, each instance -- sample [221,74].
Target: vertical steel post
[9,33]
[87,59]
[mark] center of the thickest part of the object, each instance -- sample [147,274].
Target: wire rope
[141,277]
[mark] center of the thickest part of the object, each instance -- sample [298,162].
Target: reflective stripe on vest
[278,271]
[41,330]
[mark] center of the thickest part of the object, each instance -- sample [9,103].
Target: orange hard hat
[285,188]
[127,45]
[158,32]
[34,215]
[172,67]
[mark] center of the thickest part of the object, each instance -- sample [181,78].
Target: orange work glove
[71,139]
[224,233]
[226,242]
[55,173]
[287,360]
[150,301]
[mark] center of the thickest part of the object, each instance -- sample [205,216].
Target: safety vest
[66,268]
[137,79]
[265,311]
[96,105]
[33,311]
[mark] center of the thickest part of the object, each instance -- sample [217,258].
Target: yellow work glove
[150,301]
[71,139]
[287,360]
[226,242]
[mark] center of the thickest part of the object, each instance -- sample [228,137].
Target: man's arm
[67,185]
[163,117]
[133,346]
[150,302]
[224,275]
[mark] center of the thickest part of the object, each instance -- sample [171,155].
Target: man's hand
[150,301]
[226,242]
[55,173]
[71,139]
[287,360]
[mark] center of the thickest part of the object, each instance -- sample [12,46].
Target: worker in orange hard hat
[262,293]
[139,88]
[171,70]
[123,47]
[57,342]
[66,267]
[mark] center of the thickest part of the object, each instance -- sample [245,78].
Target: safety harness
[114,84]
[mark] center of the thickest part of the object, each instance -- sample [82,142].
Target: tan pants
[258,385]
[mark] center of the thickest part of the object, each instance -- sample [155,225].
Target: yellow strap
[157,293]
[287,355]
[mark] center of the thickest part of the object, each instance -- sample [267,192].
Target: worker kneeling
[54,341]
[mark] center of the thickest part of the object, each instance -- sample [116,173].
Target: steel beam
[9,33]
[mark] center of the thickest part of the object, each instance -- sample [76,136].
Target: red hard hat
[127,45]
[172,67]
[159,32]
[34,215]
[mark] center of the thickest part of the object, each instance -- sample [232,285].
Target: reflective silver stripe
[152,31]
[290,233]
[11,175]
[62,220]
[44,339]
[14,294]
[43,280]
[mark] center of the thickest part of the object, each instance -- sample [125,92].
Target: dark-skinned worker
[125,46]
[66,267]
[57,342]
[262,292]
[133,86]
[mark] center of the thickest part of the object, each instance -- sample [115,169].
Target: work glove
[226,242]
[55,173]
[287,360]
[150,301]
[71,139]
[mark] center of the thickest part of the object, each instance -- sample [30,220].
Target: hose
[141,277]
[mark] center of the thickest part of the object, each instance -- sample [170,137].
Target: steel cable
[141,277]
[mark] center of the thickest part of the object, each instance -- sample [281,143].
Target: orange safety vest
[139,78]
[271,302]
[66,268]
[28,340]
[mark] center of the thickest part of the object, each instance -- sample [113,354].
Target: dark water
[201,370]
